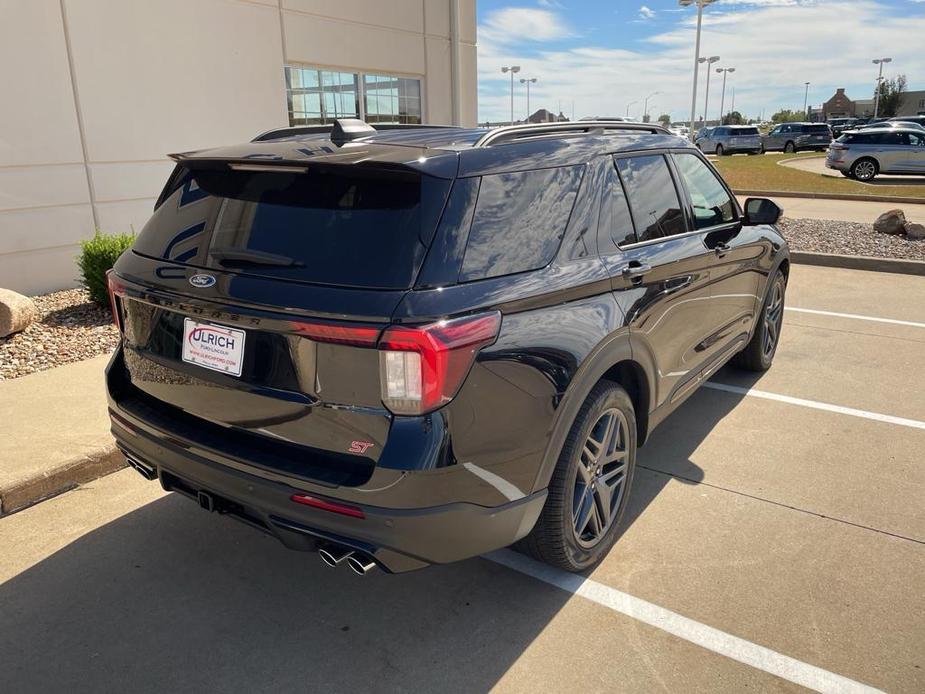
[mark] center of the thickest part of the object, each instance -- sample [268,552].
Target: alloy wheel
[601,478]
[773,317]
[865,170]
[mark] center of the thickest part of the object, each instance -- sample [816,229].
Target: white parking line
[876,416]
[712,639]
[892,321]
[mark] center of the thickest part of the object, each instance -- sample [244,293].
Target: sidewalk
[56,433]
[842,210]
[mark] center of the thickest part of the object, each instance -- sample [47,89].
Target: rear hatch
[745,137]
[816,134]
[254,298]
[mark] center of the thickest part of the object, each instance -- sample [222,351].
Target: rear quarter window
[745,131]
[519,221]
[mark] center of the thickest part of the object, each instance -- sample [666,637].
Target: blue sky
[606,54]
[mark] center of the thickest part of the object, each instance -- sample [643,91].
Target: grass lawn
[762,172]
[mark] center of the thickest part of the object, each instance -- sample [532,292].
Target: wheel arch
[613,361]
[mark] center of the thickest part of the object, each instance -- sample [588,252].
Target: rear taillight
[356,335]
[422,368]
[115,289]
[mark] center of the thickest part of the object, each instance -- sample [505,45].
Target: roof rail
[289,131]
[508,133]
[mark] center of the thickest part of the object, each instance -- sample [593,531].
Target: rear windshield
[745,131]
[820,129]
[355,230]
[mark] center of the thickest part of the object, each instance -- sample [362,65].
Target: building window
[317,97]
[391,99]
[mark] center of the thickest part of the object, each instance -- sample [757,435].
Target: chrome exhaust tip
[146,471]
[360,565]
[332,556]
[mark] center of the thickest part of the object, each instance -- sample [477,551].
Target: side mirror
[761,211]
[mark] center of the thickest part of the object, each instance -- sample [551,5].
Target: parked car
[862,154]
[920,119]
[839,125]
[892,124]
[796,137]
[729,139]
[413,345]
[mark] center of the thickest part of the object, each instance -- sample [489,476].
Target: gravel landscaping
[70,328]
[848,238]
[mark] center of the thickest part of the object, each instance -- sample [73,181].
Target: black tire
[864,169]
[554,539]
[762,150]
[760,350]
[846,174]
[790,148]
[719,150]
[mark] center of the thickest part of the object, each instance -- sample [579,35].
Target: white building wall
[97,92]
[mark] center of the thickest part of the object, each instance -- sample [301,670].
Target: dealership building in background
[96,93]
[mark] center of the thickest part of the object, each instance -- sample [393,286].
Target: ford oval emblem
[202,280]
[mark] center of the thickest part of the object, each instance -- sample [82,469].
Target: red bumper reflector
[324,505]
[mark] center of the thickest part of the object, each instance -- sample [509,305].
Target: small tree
[646,118]
[785,115]
[665,118]
[733,118]
[891,96]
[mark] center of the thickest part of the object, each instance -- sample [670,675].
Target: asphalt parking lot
[776,538]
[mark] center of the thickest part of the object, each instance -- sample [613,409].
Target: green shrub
[98,255]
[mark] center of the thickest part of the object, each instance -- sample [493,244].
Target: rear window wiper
[240,256]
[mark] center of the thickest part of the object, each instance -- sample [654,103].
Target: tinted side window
[616,225]
[652,195]
[712,204]
[519,220]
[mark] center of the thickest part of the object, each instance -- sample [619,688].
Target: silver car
[729,139]
[862,154]
[796,137]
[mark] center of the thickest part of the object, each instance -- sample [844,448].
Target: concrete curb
[830,196]
[860,262]
[66,476]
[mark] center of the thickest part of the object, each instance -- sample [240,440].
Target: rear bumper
[399,539]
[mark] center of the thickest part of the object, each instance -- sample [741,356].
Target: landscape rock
[915,231]
[16,312]
[892,222]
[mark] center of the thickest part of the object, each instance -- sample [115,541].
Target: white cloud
[512,24]
[646,13]
[775,48]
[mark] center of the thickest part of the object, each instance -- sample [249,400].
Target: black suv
[404,346]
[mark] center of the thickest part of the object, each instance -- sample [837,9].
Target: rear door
[660,270]
[892,151]
[913,157]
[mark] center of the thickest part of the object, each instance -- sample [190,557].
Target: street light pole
[706,100]
[722,101]
[628,107]
[700,5]
[645,107]
[806,100]
[880,62]
[512,69]
[524,80]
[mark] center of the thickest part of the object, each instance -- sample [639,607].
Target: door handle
[721,249]
[635,270]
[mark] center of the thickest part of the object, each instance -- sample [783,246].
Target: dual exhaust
[333,555]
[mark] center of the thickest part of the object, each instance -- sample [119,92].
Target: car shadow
[666,458]
[168,598]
